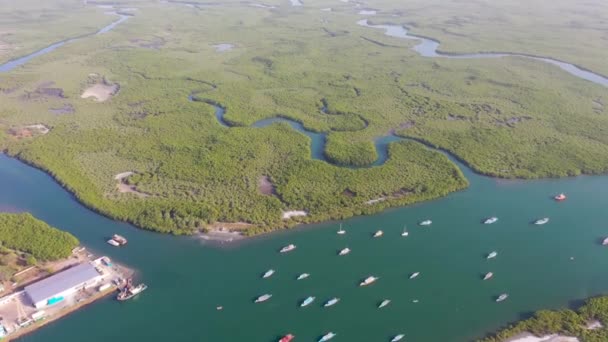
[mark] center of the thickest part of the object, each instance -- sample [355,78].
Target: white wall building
[56,287]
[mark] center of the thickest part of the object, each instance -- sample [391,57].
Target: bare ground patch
[28,131]
[123,187]
[265,186]
[101,91]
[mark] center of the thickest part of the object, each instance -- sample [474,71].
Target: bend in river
[428,48]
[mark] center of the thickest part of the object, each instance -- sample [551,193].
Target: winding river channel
[540,267]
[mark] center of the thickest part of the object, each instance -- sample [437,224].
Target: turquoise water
[188,278]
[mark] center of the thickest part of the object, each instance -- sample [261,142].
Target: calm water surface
[188,278]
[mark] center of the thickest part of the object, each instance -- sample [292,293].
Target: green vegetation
[565,322]
[508,117]
[24,233]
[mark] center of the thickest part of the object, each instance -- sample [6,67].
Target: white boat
[490,220]
[307,301]
[541,221]
[344,251]
[605,242]
[502,297]
[263,298]
[113,243]
[341,231]
[327,337]
[268,273]
[492,254]
[303,276]
[398,338]
[405,232]
[288,248]
[426,223]
[384,303]
[369,280]
[414,275]
[378,234]
[488,276]
[331,302]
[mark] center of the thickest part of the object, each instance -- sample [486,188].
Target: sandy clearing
[527,337]
[293,213]
[223,47]
[265,186]
[101,92]
[42,129]
[123,187]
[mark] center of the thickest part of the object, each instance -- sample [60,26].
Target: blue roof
[60,282]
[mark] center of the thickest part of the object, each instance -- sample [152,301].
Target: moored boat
[560,197]
[378,234]
[344,251]
[327,337]
[130,291]
[397,338]
[405,232]
[369,280]
[120,239]
[113,243]
[502,297]
[605,242]
[426,223]
[414,275]
[341,231]
[541,221]
[492,254]
[268,273]
[490,220]
[307,301]
[288,248]
[262,298]
[488,276]
[303,276]
[384,303]
[287,338]
[331,302]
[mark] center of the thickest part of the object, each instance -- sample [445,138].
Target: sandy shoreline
[528,337]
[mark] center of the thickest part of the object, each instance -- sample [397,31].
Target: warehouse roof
[57,283]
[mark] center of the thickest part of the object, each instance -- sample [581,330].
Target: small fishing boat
[369,280]
[287,338]
[405,232]
[490,220]
[120,239]
[327,337]
[426,223]
[414,275]
[502,297]
[344,251]
[303,276]
[384,303]
[288,248]
[492,255]
[130,291]
[113,243]
[415,301]
[268,274]
[397,338]
[605,242]
[263,298]
[488,276]
[307,301]
[541,221]
[341,231]
[219,308]
[378,234]
[561,197]
[331,302]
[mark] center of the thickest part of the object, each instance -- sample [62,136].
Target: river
[540,267]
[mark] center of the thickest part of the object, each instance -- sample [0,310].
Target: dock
[45,300]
